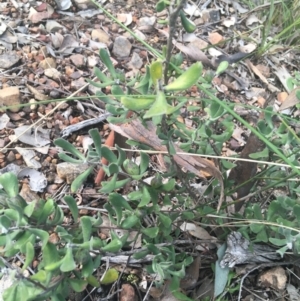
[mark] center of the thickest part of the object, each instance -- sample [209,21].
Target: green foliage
[157,96]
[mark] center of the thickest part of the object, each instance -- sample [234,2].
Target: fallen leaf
[291,100]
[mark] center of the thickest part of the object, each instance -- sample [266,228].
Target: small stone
[121,47]
[10,96]
[11,156]
[100,35]
[7,60]
[69,171]
[140,34]
[136,62]
[92,61]
[275,278]
[47,63]
[147,21]
[215,38]
[84,4]
[78,60]
[78,83]
[53,73]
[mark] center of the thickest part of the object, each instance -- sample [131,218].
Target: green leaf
[181,296]
[101,76]
[87,266]
[77,285]
[160,6]
[50,254]
[86,226]
[40,276]
[107,62]
[29,255]
[129,222]
[67,146]
[156,71]
[135,195]
[222,67]
[215,111]
[69,159]
[186,79]
[146,197]
[110,276]
[151,232]
[131,167]
[145,83]
[29,209]
[278,242]
[109,155]
[144,162]
[100,85]
[58,217]
[137,104]
[165,220]
[45,211]
[92,280]
[159,107]
[114,246]
[117,200]
[76,184]
[72,206]
[221,274]
[42,234]
[68,263]
[141,254]
[121,156]
[117,91]
[260,155]
[94,133]
[169,186]
[23,290]
[113,168]
[187,24]
[10,183]
[5,222]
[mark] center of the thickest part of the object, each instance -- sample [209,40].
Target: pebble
[7,60]
[47,63]
[11,156]
[147,21]
[122,47]
[10,96]
[100,35]
[78,60]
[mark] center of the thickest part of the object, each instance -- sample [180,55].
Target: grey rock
[7,60]
[121,47]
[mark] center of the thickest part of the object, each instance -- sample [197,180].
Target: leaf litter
[57,32]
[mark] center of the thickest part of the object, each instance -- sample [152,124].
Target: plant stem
[174,13]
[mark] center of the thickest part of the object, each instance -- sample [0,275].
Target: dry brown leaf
[262,78]
[199,166]
[36,93]
[291,100]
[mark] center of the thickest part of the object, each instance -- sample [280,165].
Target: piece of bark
[239,251]
[147,135]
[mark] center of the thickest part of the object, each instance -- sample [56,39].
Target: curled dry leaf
[29,157]
[199,166]
[291,100]
[37,137]
[36,93]
[38,181]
